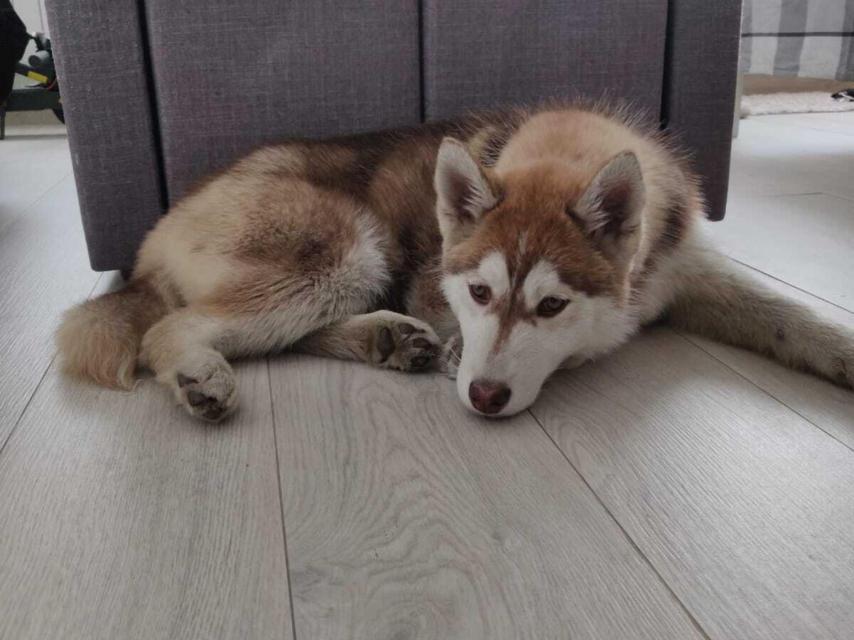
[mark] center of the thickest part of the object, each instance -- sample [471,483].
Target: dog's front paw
[208,392]
[404,343]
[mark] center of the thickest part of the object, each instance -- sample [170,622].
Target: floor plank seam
[688,339]
[32,204]
[625,533]
[26,406]
[281,500]
[804,127]
[838,196]
[765,119]
[786,195]
[39,384]
[789,284]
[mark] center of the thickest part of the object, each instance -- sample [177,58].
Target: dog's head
[535,268]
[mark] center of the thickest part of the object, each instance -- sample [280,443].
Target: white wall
[31,12]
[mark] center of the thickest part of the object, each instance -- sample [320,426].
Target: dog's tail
[717,299]
[99,339]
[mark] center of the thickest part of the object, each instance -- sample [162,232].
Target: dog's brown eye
[551,306]
[480,292]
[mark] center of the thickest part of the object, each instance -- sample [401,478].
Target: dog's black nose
[489,397]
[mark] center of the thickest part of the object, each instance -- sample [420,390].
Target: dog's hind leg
[717,299]
[188,350]
[259,314]
[383,338]
[181,349]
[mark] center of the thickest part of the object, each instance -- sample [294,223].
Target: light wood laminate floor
[676,489]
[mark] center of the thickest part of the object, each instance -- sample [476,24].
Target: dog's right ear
[463,192]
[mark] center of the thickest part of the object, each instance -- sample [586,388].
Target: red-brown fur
[319,245]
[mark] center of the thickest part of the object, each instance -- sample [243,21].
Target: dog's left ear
[610,209]
[463,192]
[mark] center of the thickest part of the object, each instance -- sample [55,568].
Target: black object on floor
[39,67]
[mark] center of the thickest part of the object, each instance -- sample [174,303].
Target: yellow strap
[32,75]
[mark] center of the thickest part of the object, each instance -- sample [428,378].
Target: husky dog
[498,247]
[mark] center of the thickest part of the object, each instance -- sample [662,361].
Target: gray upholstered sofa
[160,92]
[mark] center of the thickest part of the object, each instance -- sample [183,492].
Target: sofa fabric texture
[701,66]
[482,53]
[108,104]
[233,75]
[160,93]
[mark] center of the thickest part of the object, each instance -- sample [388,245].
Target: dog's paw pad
[183,380]
[406,345]
[210,394]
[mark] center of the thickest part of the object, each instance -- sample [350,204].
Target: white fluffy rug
[806,102]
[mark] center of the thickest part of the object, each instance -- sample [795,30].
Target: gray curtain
[813,38]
